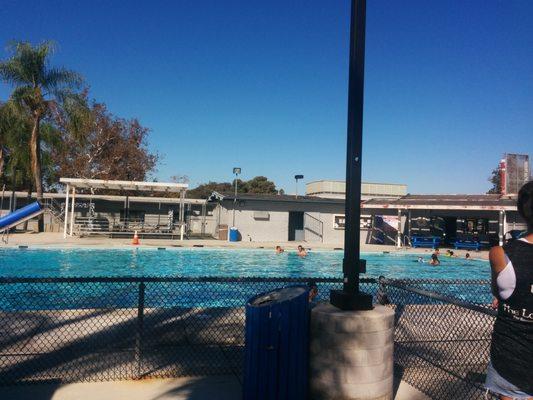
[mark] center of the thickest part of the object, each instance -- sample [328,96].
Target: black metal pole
[140,330]
[350,298]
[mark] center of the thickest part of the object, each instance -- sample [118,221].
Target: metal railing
[442,334]
[82,329]
[313,228]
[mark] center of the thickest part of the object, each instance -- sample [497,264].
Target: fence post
[381,295]
[140,329]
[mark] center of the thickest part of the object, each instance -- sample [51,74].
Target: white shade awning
[125,185]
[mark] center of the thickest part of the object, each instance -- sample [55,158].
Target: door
[296,225]
[450,224]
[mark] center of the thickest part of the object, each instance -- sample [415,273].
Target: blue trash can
[277,345]
[233,234]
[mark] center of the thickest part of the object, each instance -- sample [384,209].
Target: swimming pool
[194,262]
[236,275]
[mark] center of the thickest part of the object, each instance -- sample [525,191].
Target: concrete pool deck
[225,387]
[54,239]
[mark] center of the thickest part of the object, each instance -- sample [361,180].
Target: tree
[260,185]
[40,90]
[204,190]
[107,147]
[15,131]
[257,185]
[496,180]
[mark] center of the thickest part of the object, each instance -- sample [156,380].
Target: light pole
[296,178]
[236,171]
[350,298]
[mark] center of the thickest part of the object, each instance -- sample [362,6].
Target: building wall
[276,227]
[337,189]
[273,229]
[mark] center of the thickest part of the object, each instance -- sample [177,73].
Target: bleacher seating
[425,241]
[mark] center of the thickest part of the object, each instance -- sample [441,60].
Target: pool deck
[225,387]
[54,239]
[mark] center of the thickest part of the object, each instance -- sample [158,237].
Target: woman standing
[510,371]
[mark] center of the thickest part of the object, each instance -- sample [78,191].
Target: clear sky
[262,84]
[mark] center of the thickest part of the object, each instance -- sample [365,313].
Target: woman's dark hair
[525,204]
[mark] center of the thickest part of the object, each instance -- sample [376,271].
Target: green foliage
[257,185]
[260,185]
[41,92]
[495,179]
[104,147]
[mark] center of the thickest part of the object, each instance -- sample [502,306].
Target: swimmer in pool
[420,260]
[467,256]
[434,259]
[279,250]
[301,251]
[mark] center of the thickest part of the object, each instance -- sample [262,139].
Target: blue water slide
[20,215]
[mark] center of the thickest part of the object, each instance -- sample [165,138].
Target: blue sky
[263,84]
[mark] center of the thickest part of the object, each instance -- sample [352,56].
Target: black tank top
[512,339]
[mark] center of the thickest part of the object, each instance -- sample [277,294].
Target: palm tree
[15,130]
[40,90]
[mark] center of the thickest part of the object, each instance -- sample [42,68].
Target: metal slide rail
[442,335]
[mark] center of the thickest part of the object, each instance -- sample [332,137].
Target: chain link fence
[442,335]
[86,329]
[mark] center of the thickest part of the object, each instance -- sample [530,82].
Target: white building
[337,189]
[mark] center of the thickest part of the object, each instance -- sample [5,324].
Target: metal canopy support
[72,211]
[502,225]
[66,212]
[182,213]
[399,232]
[204,213]
[350,298]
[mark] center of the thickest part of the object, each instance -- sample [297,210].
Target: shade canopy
[125,185]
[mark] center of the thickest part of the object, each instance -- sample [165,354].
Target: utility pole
[296,178]
[350,298]
[236,171]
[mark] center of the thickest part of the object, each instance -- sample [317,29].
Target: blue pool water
[196,262]
[222,263]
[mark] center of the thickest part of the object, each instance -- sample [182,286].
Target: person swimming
[467,256]
[434,259]
[450,253]
[301,251]
[279,250]
[420,260]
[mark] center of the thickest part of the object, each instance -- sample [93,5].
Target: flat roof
[125,185]
[490,202]
[363,182]
[272,197]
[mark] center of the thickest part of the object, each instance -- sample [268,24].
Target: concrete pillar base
[351,353]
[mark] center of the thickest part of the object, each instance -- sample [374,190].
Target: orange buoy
[135,240]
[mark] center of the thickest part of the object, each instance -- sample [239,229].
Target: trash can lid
[277,296]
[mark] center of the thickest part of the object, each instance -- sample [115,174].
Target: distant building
[337,190]
[278,218]
[514,172]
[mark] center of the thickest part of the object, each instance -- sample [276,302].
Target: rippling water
[222,262]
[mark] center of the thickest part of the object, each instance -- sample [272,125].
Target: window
[339,221]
